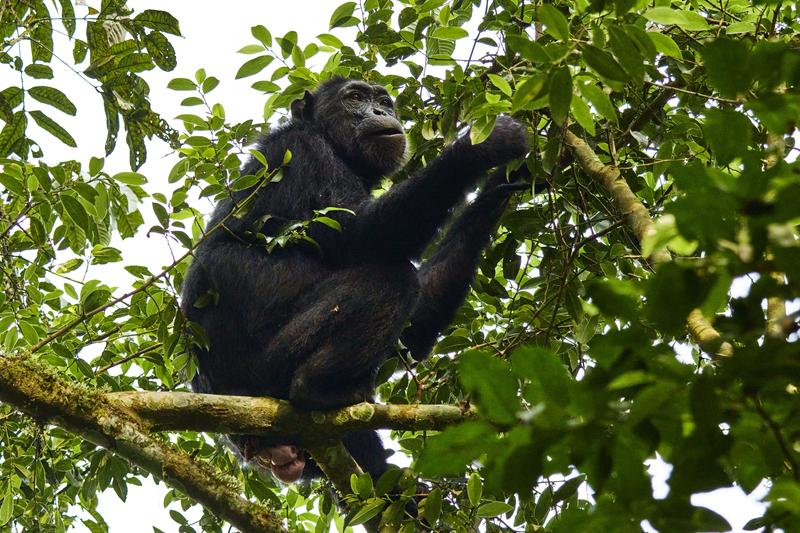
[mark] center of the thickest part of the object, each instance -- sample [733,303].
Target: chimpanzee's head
[360,121]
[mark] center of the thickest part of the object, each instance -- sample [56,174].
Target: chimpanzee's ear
[303,109]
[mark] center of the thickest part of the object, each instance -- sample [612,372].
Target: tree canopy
[645,305]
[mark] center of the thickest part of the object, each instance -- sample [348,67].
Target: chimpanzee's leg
[351,323]
[343,330]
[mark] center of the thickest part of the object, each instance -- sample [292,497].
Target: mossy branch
[34,388]
[123,422]
[637,217]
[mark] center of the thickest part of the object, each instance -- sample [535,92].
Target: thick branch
[638,219]
[169,411]
[35,389]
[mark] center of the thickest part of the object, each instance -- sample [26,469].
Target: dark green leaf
[603,63]
[451,450]
[726,65]
[53,97]
[53,127]
[68,16]
[75,210]
[158,20]
[492,383]
[728,133]
[544,368]
[555,22]
[12,132]
[431,506]
[39,71]
[161,51]
[342,14]
[368,511]
[560,94]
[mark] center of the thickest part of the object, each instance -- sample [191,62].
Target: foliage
[572,344]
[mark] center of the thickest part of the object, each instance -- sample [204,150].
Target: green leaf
[12,132]
[583,115]
[474,489]
[53,97]
[68,16]
[75,210]
[560,94]
[95,299]
[568,488]
[501,84]
[54,128]
[481,129]
[555,22]
[42,34]
[161,51]
[448,452]
[369,511]
[603,63]
[492,383]
[262,34]
[254,66]
[449,32]
[527,92]
[13,185]
[530,50]
[158,20]
[181,84]
[665,45]
[342,14]
[39,71]
[627,53]
[687,20]
[728,133]
[7,505]
[431,506]
[493,509]
[545,370]
[726,63]
[330,40]
[252,49]
[130,178]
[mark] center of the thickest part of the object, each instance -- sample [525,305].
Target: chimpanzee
[312,323]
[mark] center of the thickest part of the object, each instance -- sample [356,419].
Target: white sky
[212,33]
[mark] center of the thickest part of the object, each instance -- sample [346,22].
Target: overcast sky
[211,37]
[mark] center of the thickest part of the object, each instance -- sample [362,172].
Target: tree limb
[35,389]
[637,217]
[186,411]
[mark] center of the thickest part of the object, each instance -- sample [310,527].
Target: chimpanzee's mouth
[385,132]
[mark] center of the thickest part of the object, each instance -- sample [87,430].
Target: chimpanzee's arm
[445,277]
[403,221]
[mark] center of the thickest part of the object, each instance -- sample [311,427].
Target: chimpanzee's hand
[508,140]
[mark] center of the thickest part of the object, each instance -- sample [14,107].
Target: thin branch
[152,280]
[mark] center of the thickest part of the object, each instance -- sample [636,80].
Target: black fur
[313,325]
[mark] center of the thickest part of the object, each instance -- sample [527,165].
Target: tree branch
[186,411]
[35,389]
[637,217]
